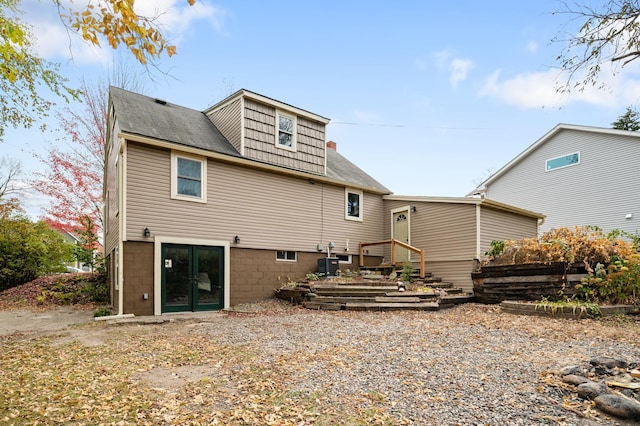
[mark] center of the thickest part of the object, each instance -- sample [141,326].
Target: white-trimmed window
[188,178]
[344,258]
[286,131]
[288,256]
[353,204]
[563,161]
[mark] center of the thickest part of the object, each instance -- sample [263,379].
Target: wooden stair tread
[391,306]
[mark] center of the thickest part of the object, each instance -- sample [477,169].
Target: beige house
[209,209]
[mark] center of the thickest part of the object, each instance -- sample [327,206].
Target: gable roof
[150,118]
[544,139]
[244,93]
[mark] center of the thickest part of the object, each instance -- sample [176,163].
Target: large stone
[574,379]
[572,370]
[619,406]
[609,362]
[591,390]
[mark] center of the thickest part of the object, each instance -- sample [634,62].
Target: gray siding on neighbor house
[600,191]
[502,225]
[266,210]
[260,137]
[228,120]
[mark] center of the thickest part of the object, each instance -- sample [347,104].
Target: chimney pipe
[332,145]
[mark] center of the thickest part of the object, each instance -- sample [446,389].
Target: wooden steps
[378,289]
[367,297]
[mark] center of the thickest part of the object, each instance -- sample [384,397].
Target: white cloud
[53,41]
[532,47]
[538,89]
[459,69]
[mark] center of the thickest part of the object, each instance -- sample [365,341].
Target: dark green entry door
[192,278]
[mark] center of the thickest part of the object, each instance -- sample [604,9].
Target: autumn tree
[74,163]
[26,79]
[630,120]
[609,33]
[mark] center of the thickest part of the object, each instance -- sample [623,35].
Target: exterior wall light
[236,239]
[146,232]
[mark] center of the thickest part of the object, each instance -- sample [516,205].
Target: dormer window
[286,138]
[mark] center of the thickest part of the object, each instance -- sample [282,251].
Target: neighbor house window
[290,256]
[188,178]
[353,204]
[564,161]
[286,126]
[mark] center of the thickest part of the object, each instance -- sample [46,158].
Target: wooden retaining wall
[494,284]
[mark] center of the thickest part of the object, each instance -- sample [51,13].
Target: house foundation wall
[137,262]
[254,274]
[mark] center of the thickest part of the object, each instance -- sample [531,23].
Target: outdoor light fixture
[146,232]
[236,239]
[414,209]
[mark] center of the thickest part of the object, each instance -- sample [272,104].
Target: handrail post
[393,252]
[421,263]
[361,255]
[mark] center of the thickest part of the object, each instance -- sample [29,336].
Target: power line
[412,126]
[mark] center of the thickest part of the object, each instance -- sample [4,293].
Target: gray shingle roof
[339,168]
[145,116]
[141,115]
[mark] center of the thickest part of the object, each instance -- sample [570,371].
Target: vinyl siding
[266,210]
[229,121]
[111,210]
[456,272]
[446,231]
[601,190]
[502,225]
[260,136]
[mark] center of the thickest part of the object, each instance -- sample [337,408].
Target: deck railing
[394,243]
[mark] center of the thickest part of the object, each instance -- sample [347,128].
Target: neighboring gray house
[209,209]
[575,175]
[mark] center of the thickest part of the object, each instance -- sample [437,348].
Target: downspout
[122,222]
[478,232]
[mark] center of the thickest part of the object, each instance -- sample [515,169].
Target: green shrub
[102,312]
[29,250]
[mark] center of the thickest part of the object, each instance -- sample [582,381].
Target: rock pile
[612,384]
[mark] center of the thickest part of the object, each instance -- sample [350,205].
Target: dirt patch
[51,320]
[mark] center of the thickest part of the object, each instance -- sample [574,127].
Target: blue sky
[426,97]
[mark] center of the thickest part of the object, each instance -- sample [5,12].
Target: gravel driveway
[469,365]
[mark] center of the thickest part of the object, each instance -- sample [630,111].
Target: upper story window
[286,127]
[188,178]
[353,204]
[564,161]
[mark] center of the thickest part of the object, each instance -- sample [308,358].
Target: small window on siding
[564,161]
[353,204]
[286,131]
[188,178]
[345,258]
[290,256]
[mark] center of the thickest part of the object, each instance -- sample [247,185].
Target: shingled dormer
[273,132]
